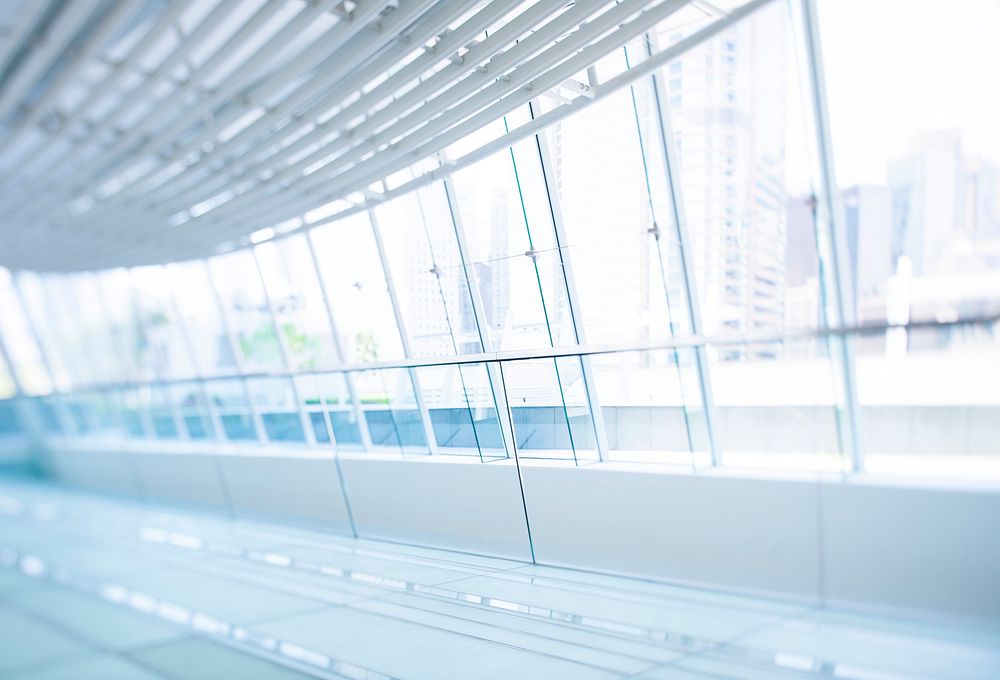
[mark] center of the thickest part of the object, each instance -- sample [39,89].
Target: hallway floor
[92,587]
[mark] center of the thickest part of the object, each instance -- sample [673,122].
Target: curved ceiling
[143,131]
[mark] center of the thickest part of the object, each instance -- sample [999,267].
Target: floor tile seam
[398,547]
[637,598]
[347,605]
[244,650]
[595,629]
[547,621]
[749,605]
[485,640]
[668,665]
[469,571]
[92,645]
[194,567]
[432,563]
[174,552]
[184,631]
[219,571]
[23,670]
[725,651]
[178,557]
[125,538]
[277,618]
[215,572]
[350,605]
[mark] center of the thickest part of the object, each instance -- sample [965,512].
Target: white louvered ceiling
[142,131]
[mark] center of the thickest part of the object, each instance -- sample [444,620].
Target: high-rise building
[727,102]
[945,208]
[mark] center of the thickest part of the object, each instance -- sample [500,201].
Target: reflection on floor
[98,588]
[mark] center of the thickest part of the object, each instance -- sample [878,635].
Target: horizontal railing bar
[509,356]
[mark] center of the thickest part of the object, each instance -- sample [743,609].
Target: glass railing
[927,403]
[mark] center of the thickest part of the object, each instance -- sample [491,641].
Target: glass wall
[917,155]
[711,259]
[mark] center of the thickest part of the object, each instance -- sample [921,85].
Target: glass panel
[193,409]
[133,406]
[746,171]
[652,406]
[243,302]
[340,407]
[22,350]
[506,222]
[78,319]
[297,298]
[310,393]
[547,425]
[230,400]
[778,412]
[462,410]
[121,328]
[607,165]
[917,152]
[10,420]
[390,408]
[32,291]
[79,413]
[7,387]
[930,400]
[199,312]
[161,413]
[424,261]
[355,283]
[274,400]
[48,413]
[165,341]
[103,411]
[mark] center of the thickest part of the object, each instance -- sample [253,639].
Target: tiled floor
[99,588]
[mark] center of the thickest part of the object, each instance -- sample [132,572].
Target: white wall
[916,548]
[445,502]
[862,542]
[745,533]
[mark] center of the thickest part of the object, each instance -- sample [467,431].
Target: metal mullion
[493,372]
[47,344]
[654,231]
[508,419]
[300,403]
[403,336]
[572,294]
[93,342]
[359,414]
[690,342]
[258,422]
[213,412]
[5,358]
[671,169]
[144,414]
[834,223]
[285,352]
[58,404]
[67,351]
[71,322]
[336,451]
[26,414]
[174,408]
[541,298]
[447,317]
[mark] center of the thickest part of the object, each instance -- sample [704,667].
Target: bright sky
[895,68]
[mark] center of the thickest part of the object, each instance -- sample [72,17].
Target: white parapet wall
[862,541]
